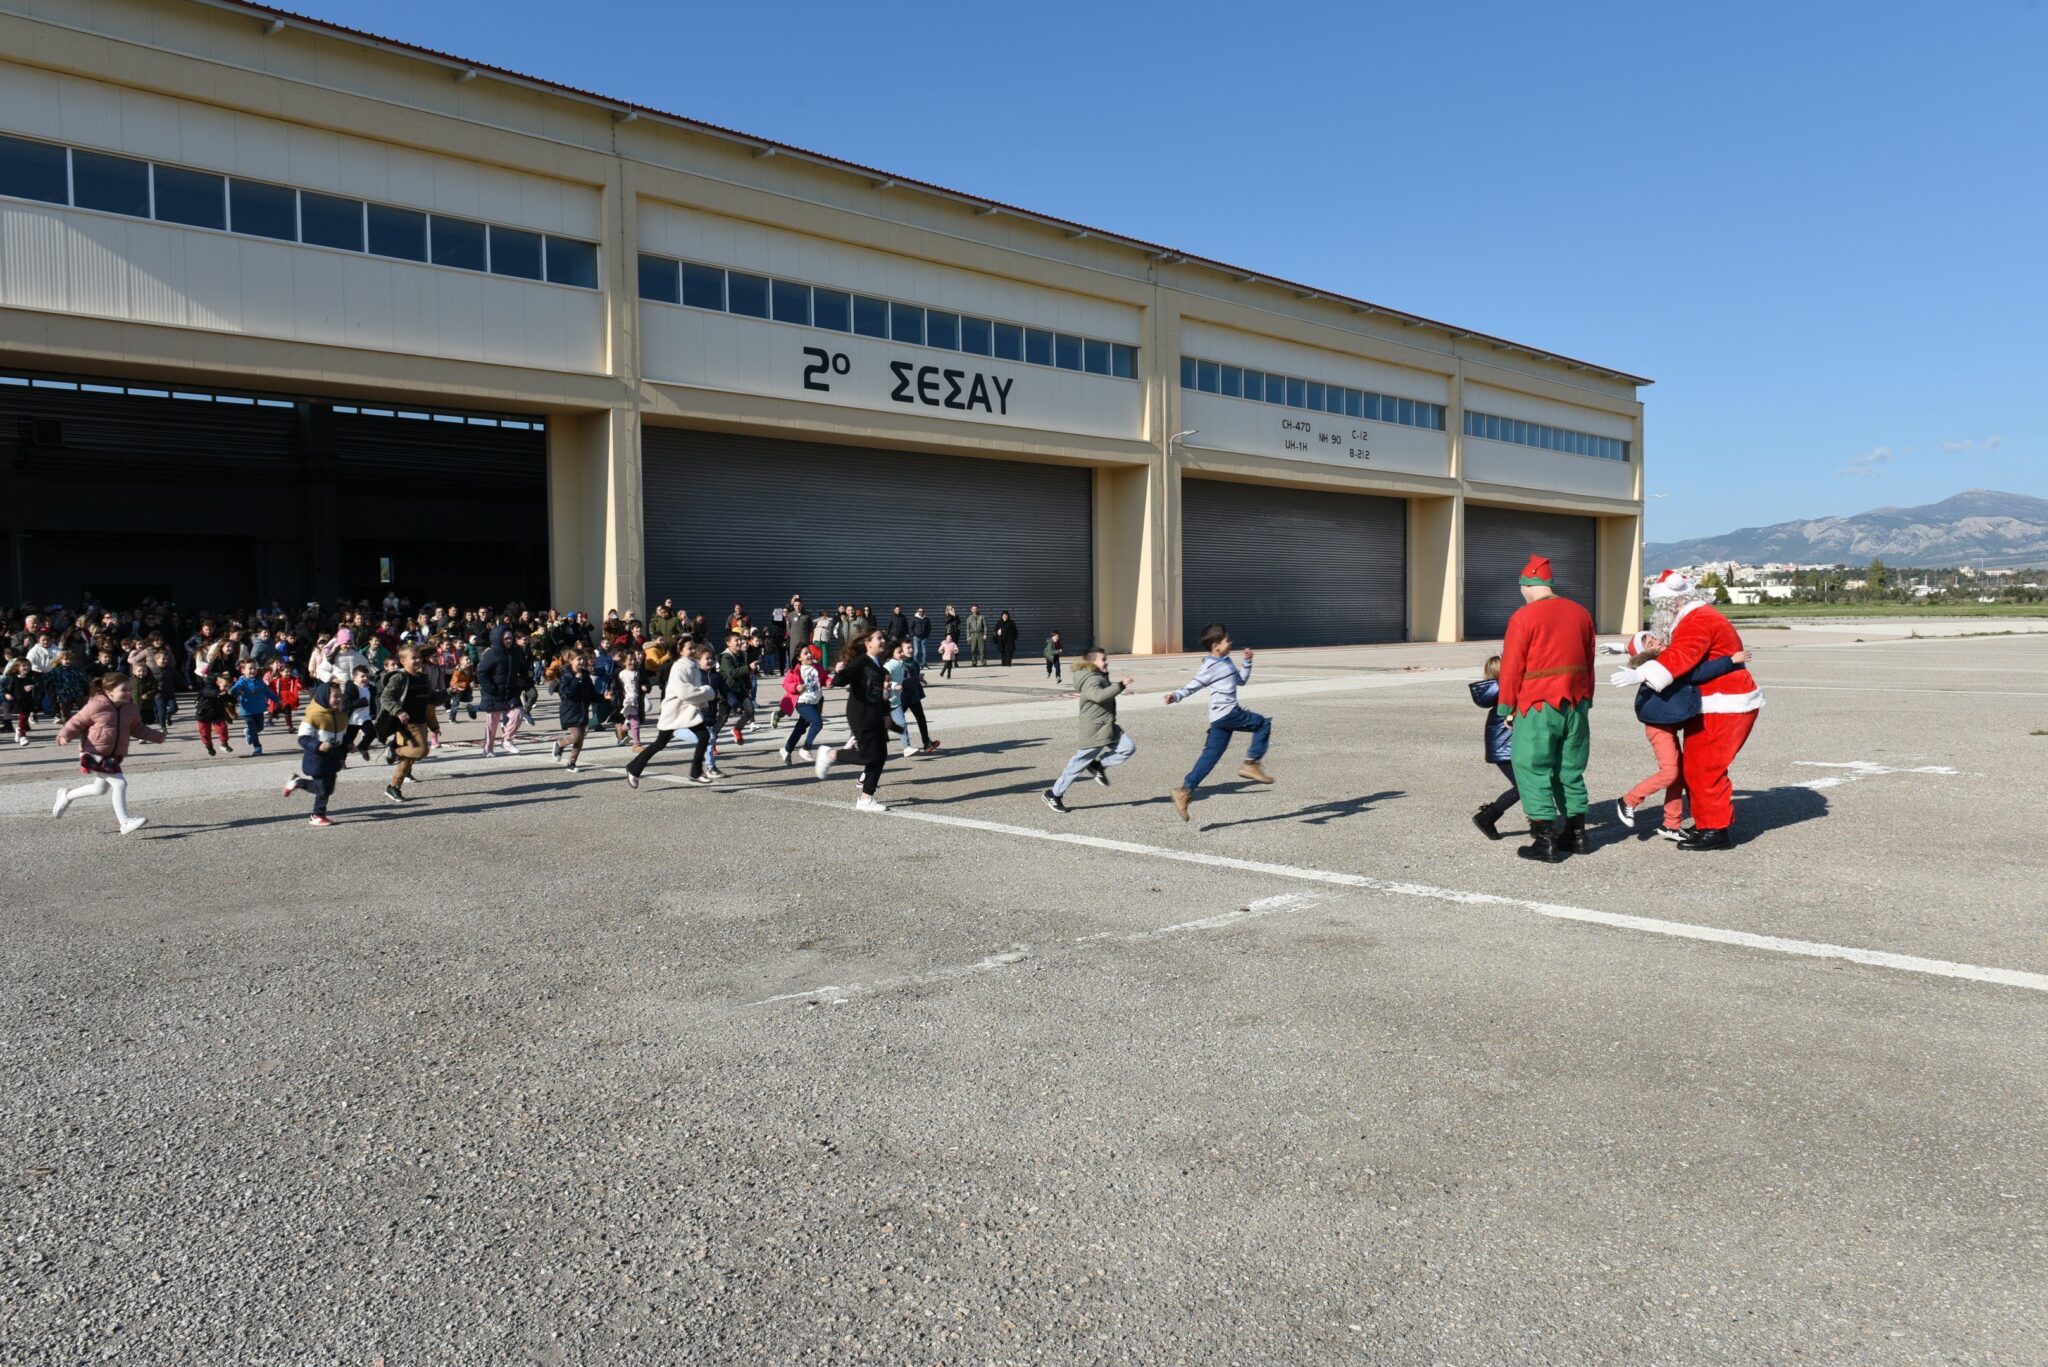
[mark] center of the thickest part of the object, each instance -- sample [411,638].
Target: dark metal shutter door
[1499,541]
[1292,567]
[434,459]
[111,441]
[733,519]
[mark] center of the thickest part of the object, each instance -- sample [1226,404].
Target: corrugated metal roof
[885,179]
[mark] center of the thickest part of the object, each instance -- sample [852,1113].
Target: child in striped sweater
[1222,678]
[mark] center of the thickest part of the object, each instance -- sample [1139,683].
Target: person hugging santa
[1685,616]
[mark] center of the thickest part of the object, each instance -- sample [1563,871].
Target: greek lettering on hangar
[947,387]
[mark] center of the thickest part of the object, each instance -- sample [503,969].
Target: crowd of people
[367,675]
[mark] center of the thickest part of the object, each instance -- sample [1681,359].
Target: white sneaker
[868,804]
[823,762]
[807,756]
[1669,834]
[64,800]
[21,740]
[909,751]
[1625,812]
[133,824]
[508,747]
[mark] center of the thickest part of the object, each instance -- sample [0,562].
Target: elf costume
[1728,708]
[1546,686]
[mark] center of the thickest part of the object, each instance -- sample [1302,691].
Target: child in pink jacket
[103,727]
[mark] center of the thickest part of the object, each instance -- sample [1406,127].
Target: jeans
[920,649]
[1220,731]
[809,715]
[1108,756]
[252,731]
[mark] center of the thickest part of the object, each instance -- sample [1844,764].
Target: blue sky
[1821,227]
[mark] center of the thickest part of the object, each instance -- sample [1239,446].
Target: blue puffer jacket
[1500,738]
[1680,703]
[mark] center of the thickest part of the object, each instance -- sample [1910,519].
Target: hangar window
[115,185]
[703,287]
[515,253]
[398,233]
[1315,396]
[792,303]
[571,262]
[942,330]
[1066,352]
[191,197]
[32,170]
[1123,361]
[458,242]
[326,221]
[1037,346]
[906,324]
[261,210]
[976,336]
[870,316]
[1491,427]
[660,278]
[832,309]
[746,294]
[1009,342]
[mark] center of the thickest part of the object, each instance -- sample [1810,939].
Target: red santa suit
[1728,708]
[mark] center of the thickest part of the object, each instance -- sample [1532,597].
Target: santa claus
[1685,616]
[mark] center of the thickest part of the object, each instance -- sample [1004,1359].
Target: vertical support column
[594,538]
[319,481]
[1162,491]
[1128,611]
[1619,603]
[1436,568]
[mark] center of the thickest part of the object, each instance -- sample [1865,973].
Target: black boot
[1706,840]
[1542,846]
[1572,840]
[1487,822]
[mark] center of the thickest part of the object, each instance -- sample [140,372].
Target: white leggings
[115,785]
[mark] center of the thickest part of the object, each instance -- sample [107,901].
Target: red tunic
[1701,633]
[1547,657]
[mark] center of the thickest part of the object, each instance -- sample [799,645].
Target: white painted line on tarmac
[1854,769]
[1770,685]
[838,994]
[1649,925]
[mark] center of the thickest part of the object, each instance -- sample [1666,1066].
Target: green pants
[1550,749]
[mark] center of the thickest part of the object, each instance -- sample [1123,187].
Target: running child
[578,694]
[808,702]
[284,682]
[212,707]
[20,683]
[103,728]
[629,698]
[321,750]
[254,699]
[1104,744]
[1499,740]
[1052,657]
[1222,678]
[949,651]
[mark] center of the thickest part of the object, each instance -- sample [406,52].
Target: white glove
[1622,678]
[1610,648]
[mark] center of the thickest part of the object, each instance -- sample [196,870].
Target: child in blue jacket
[1500,739]
[253,699]
[1664,716]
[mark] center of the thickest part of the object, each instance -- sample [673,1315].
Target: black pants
[1500,806]
[358,739]
[873,748]
[916,709]
[702,734]
[945,669]
[1009,649]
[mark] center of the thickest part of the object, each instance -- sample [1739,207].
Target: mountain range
[1980,528]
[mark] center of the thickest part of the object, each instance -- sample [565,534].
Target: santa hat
[1536,574]
[1641,642]
[1670,584]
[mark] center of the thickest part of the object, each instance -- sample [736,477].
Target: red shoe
[319,821]
[738,736]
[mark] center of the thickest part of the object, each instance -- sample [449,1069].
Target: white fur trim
[1670,585]
[1752,701]
[1655,675]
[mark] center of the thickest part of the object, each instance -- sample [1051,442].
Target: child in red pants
[211,708]
[1664,715]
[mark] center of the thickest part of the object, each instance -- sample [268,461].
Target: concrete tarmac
[536,1069]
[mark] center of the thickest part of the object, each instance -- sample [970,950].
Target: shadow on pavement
[1319,813]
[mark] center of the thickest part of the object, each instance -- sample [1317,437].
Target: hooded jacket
[499,677]
[1500,740]
[106,728]
[1098,693]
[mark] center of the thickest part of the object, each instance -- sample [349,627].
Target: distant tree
[1876,576]
[1712,580]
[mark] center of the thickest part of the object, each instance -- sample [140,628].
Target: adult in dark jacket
[899,625]
[920,636]
[1006,638]
[499,678]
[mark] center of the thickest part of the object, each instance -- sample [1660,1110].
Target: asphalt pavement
[537,1069]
